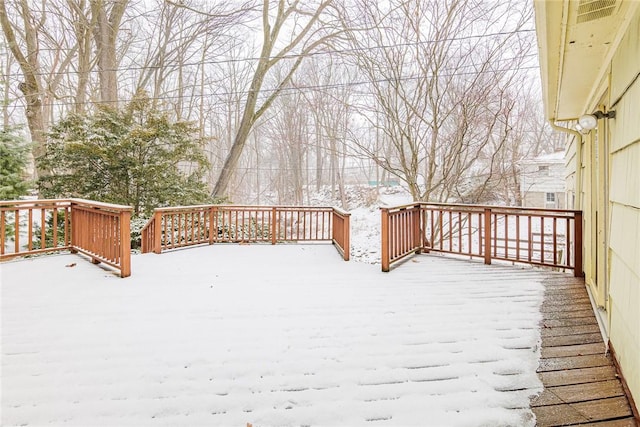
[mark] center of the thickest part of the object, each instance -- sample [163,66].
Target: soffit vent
[591,10]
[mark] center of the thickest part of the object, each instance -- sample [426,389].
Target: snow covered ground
[269,335]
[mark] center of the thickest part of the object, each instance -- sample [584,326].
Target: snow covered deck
[268,335]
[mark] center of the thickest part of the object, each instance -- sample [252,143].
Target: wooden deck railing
[99,230]
[545,237]
[177,227]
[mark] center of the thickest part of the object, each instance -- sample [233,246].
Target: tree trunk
[270,36]
[30,67]
[248,117]
[105,34]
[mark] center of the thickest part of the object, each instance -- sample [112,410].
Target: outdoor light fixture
[590,121]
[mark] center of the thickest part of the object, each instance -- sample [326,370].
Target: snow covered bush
[13,161]
[133,156]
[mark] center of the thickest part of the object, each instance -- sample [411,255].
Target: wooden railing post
[577,250]
[274,226]
[384,224]
[213,228]
[2,232]
[346,229]
[125,243]
[73,241]
[487,235]
[67,226]
[157,244]
[417,240]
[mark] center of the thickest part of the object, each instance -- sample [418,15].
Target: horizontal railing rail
[99,230]
[182,226]
[544,237]
[33,227]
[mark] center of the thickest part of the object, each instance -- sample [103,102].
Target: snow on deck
[269,335]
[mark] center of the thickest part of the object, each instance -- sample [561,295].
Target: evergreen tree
[13,161]
[134,156]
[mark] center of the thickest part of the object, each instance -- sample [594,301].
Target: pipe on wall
[578,176]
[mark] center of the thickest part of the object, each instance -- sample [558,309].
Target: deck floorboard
[580,382]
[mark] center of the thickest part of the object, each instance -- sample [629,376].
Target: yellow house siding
[625,223]
[570,168]
[624,205]
[626,61]
[626,126]
[625,176]
[588,207]
[625,322]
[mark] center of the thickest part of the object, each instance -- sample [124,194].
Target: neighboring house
[590,63]
[542,181]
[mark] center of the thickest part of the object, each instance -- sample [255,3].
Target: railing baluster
[542,239]
[304,225]
[506,235]
[567,243]
[16,233]
[494,218]
[459,228]
[577,271]
[530,239]
[555,241]
[43,226]
[274,228]
[30,230]
[518,237]
[487,236]
[3,231]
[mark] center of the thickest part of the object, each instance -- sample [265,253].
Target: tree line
[273,99]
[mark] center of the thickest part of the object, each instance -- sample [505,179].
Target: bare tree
[83,26]
[27,57]
[329,103]
[421,92]
[437,72]
[24,28]
[6,64]
[107,15]
[309,32]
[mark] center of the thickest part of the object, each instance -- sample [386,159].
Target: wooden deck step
[581,386]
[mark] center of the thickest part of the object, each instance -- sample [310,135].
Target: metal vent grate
[591,10]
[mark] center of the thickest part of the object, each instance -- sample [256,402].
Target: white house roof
[556,157]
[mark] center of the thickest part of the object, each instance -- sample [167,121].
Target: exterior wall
[624,208]
[609,196]
[591,205]
[535,199]
[572,198]
[535,184]
[585,68]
